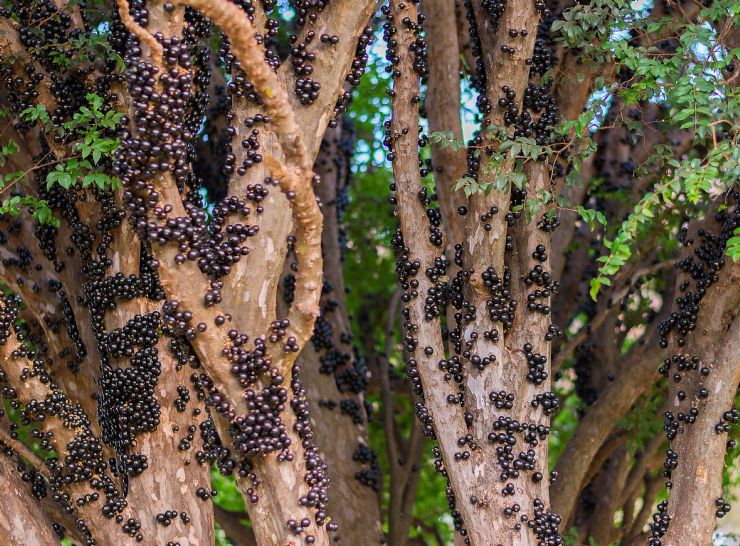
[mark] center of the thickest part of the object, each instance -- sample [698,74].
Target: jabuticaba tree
[211,322]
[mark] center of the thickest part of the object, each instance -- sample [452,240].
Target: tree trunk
[335,379]
[699,446]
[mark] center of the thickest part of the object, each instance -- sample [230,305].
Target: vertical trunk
[335,380]
[467,432]
[443,111]
[700,443]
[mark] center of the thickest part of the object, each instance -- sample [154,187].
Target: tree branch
[619,395]
[21,521]
[238,534]
[699,447]
[443,111]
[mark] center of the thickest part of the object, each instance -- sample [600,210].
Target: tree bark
[640,372]
[22,521]
[443,111]
[699,447]
[474,482]
[342,437]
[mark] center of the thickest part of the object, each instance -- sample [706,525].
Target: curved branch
[295,172]
[22,450]
[238,28]
[140,32]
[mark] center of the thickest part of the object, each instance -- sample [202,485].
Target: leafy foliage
[733,246]
[687,182]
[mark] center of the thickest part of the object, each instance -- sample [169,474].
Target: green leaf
[36,113]
[10,148]
[733,245]
[463,182]
[519,179]
[595,285]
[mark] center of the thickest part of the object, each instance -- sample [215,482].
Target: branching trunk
[463,430]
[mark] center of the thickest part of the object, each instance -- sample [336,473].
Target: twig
[22,176]
[573,342]
[22,450]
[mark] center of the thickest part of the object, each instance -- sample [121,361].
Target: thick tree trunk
[700,448]
[288,156]
[475,482]
[341,434]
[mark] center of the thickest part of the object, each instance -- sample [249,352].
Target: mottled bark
[30,389]
[279,482]
[700,448]
[486,248]
[346,20]
[448,419]
[22,521]
[477,478]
